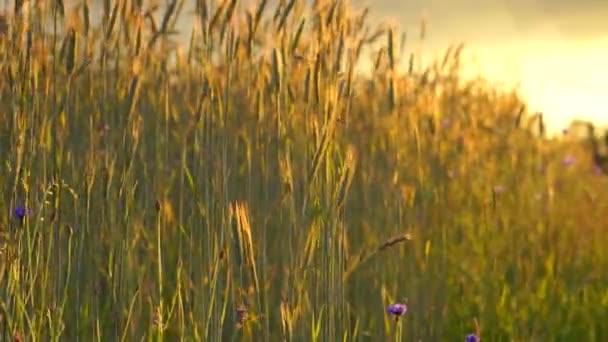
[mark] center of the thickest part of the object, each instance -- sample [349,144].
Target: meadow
[252,186]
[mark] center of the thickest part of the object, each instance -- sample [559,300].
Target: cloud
[573,19]
[568,18]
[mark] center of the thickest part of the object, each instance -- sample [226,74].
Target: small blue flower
[472,338]
[397,310]
[21,212]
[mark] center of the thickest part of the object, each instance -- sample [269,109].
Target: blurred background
[556,52]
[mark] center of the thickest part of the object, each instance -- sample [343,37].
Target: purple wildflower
[598,170]
[21,212]
[541,168]
[102,128]
[568,161]
[499,189]
[446,123]
[242,314]
[397,310]
[472,338]
[460,140]
[3,25]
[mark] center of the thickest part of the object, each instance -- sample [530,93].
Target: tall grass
[251,185]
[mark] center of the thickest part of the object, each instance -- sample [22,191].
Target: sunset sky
[556,51]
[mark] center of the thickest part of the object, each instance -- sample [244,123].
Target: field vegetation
[249,184]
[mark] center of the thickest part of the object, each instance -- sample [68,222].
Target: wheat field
[251,185]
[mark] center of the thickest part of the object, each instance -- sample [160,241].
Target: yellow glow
[563,79]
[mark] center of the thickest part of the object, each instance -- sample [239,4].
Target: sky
[554,51]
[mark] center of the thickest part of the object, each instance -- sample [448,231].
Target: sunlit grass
[254,187]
